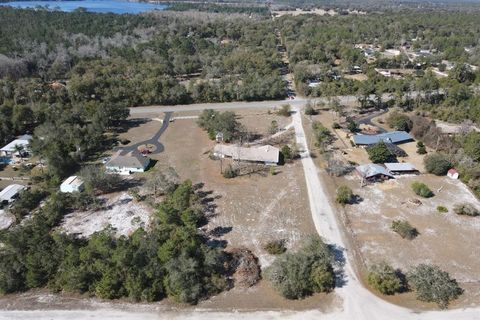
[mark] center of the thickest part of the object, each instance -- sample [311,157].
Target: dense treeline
[169,259]
[199,57]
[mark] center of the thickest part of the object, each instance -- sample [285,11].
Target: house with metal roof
[373,172]
[72,184]
[401,168]
[388,137]
[10,150]
[10,193]
[264,154]
[128,163]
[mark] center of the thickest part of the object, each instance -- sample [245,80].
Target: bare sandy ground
[121,212]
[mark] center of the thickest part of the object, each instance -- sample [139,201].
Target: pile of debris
[245,267]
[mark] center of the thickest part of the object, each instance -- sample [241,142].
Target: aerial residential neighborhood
[245,160]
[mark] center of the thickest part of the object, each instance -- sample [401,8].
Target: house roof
[73,180]
[22,140]
[392,137]
[11,191]
[404,166]
[264,153]
[371,170]
[132,159]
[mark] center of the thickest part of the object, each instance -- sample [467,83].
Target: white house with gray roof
[265,154]
[128,163]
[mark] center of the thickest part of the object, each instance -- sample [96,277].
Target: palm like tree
[18,148]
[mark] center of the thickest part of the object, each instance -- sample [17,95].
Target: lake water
[102,6]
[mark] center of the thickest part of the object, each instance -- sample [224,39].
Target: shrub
[287,153]
[310,111]
[352,126]
[421,148]
[404,229]
[124,141]
[466,209]
[422,189]
[323,136]
[285,110]
[379,153]
[336,125]
[385,279]
[442,209]
[272,171]
[399,121]
[344,195]
[437,164]
[273,127]
[229,172]
[275,247]
[433,285]
[297,275]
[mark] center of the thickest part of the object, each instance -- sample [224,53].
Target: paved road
[297,102]
[138,111]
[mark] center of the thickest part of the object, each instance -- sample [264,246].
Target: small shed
[72,184]
[11,192]
[453,174]
[219,137]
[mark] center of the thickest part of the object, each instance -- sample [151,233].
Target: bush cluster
[399,121]
[275,247]
[297,275]
[466,209]
[344,195]
[385,279]
[404,229]
[422,190]
[437,163]
[430,283]
[433,285]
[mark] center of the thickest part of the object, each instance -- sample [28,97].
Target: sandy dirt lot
[445,239]
[251,209]
[6,219]
[357,77]
[121,212]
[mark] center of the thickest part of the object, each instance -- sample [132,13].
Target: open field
[445,239]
